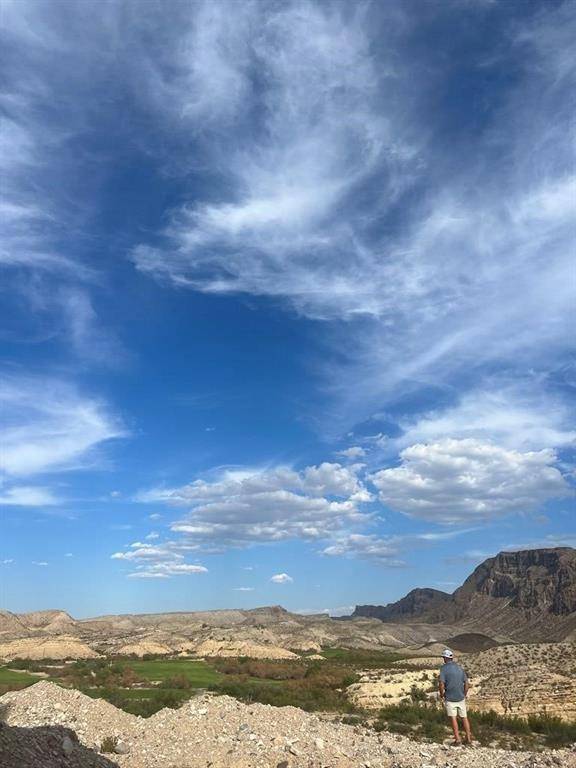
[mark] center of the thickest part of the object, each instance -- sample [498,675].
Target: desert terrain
[223,688]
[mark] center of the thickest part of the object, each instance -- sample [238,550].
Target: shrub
[262,669]
[180,682]
[109,744]
[146,706]
[429,722]
[308,694]
[417,694]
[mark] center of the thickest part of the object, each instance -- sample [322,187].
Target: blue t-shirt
[454,679]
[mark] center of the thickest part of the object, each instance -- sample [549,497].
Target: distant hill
[10,623]
[415,603]
[527,595]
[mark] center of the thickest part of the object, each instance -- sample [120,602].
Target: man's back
[454,679]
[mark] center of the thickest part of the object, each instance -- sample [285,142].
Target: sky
[288,299]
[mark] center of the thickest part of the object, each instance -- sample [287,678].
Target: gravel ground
[220,732]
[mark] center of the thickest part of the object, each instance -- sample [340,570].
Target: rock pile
[220,732]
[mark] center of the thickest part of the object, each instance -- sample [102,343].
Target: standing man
[453,691]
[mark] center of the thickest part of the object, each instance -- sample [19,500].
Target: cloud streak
[49,426]
[473,276]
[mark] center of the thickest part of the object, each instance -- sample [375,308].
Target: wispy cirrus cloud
[48,426]
[320,134]
[386,550]
[50,176]
[28,496]
[338,206]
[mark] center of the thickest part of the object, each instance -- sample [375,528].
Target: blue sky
[288,294]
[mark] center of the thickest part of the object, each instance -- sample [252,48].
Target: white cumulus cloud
[241,507]
[459,481]
[281,578]
[160,561]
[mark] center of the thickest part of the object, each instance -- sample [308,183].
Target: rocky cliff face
[533,580]
[528,595]
[416,603]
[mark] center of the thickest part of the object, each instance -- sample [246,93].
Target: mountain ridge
[525,594]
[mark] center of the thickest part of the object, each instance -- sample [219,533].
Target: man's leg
[454,723]
[466,724]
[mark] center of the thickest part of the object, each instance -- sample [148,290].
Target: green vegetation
[109,745]
[198,673]
[430,723]
[10,680]
[262,669]
[316,686]
[143,702]
[9,676]
[143,686]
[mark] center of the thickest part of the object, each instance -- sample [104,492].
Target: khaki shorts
[456,708]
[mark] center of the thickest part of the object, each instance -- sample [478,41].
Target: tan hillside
[62,647]
[517,680]
[525,679]
[143,648]
[239,648]
[45,619]
[11,624]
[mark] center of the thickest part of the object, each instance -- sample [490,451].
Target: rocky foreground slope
[217,732]
[526,596]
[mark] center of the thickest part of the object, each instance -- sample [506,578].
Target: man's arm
[441,687]
[466,685]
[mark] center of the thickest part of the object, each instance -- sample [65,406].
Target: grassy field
[198,673]
[12,677]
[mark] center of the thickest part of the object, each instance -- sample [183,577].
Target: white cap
[447,654]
